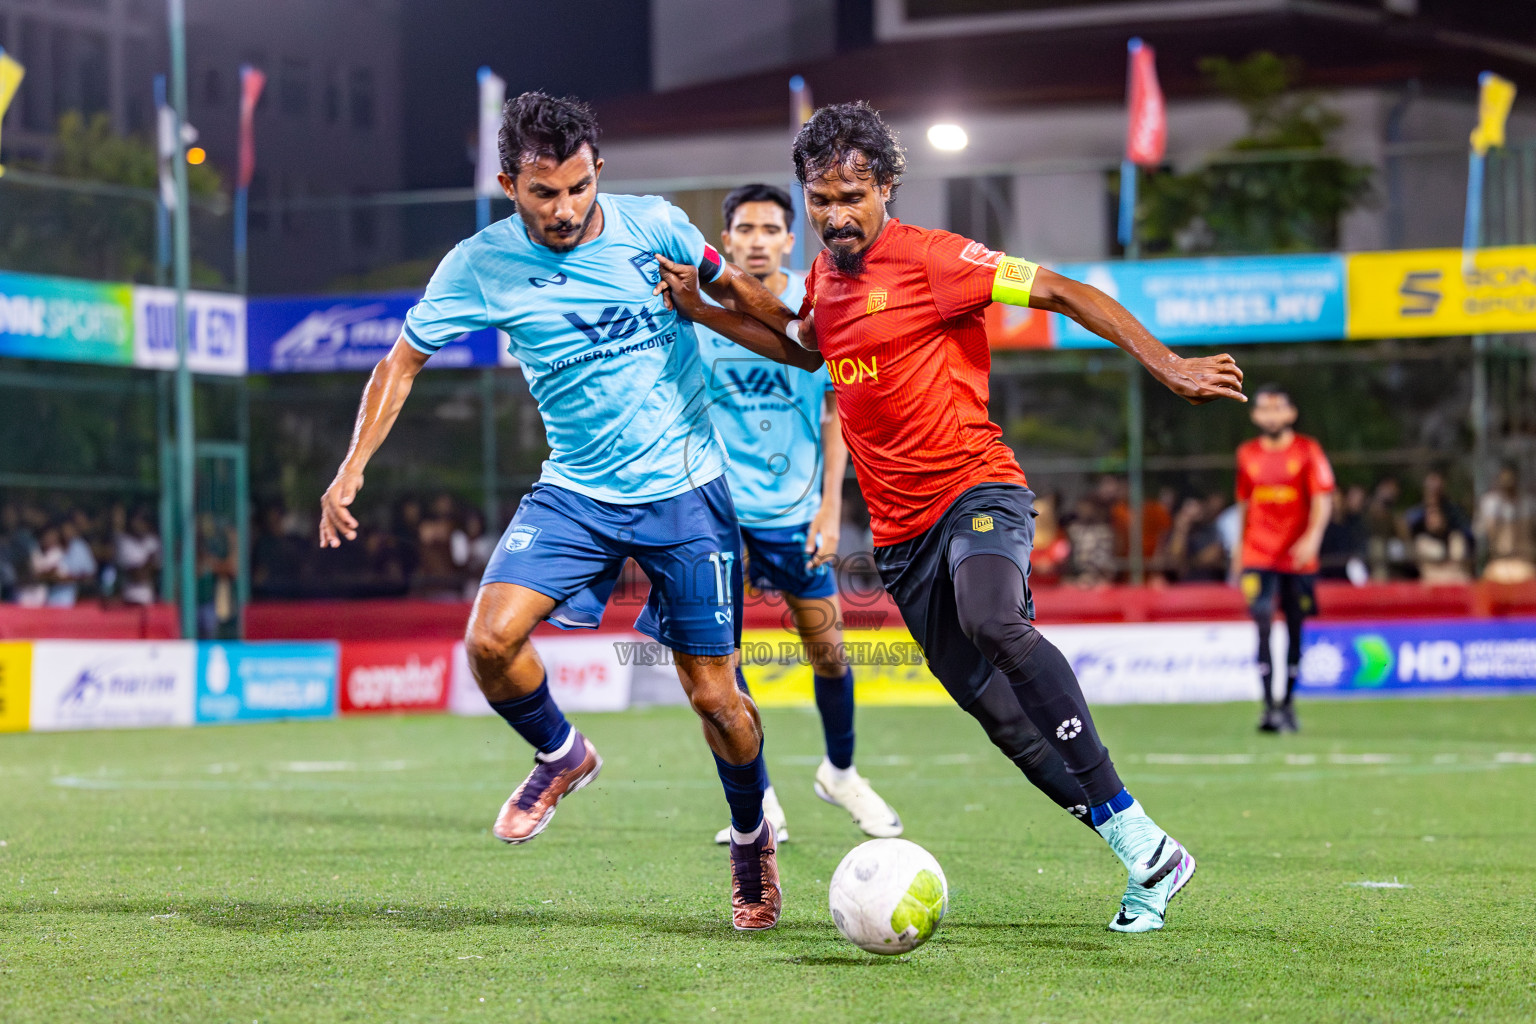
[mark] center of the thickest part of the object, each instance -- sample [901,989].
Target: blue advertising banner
[1220,301]
[344,332]
[1454,654]
[241,682]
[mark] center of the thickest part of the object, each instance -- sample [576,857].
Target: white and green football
[888,896]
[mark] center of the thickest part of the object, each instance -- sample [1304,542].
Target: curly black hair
[757,194]
[536,124]
[849,131]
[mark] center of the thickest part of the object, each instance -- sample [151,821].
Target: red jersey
[1278,486]
[907,352]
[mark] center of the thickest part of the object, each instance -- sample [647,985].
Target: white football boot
[853,793]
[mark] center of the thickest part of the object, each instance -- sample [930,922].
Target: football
[888,896]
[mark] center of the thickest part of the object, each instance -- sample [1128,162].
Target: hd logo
[615,323]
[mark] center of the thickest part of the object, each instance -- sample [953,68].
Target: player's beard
[576,236]
[847,261]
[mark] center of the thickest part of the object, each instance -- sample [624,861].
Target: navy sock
[1117,803]
[834,699]
[744,785]
[537,718]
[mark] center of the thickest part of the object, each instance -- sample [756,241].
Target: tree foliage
[1278,188]
[101,235]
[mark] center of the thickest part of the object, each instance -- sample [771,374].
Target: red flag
[251,83]
[1146,136]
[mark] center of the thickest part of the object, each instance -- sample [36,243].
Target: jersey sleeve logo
[981,524]
[975,252]
[878,297]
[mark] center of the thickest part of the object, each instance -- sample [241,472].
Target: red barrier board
[395,675]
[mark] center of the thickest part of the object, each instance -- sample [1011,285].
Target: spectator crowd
[53,555]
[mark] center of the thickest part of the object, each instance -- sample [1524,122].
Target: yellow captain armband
[1013,280]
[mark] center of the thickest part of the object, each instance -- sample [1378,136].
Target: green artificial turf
[344,870]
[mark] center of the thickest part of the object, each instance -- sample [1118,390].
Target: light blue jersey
[769,416]
[615,372]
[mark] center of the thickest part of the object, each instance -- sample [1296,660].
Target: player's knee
[490,653]
[998,631]
[717,705]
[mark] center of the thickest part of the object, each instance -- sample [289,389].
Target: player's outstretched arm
[760,322]
[383,397]
[1197,380]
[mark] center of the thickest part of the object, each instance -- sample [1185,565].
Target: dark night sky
[594,49]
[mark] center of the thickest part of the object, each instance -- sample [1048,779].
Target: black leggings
[990,599]
[1294,618]
[1006,725]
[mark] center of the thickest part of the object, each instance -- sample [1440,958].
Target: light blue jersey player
[635,467]
[788,461]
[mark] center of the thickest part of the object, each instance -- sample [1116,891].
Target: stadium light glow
[196,155]
[949,137]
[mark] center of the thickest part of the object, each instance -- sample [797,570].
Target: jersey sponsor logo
[853,371]
[541,282]
[981,524]
[878,297]
[1274,494]
[759,382]
[976,253]
[519,538]
[615,323]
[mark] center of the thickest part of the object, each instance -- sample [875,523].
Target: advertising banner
[585,673]
[1431,293]
[215,331]
[108,684]
[344,332]
[1454,654]
[245,682]
[1116,664]
[15,686]
[1017,326]
[65,319]
[395,675]
[1220,301]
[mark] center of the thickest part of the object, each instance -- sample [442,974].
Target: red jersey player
[896,312]
[1285,492]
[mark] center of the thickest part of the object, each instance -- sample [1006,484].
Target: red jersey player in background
[896,312]
[1285,492]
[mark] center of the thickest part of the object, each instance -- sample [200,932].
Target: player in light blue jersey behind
[788,460]
[635,467]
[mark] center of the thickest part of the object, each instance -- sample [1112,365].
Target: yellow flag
[11,73]
[1494,98]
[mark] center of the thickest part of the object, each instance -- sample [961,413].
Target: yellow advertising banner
[15,686]
[888,669]
[1430,293]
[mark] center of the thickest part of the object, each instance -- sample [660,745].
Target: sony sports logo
[853,371]
[615,323]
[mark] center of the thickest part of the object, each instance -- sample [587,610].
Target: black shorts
[1297,593]
[919,574]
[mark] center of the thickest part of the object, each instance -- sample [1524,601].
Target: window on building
[332,97]
[361,97]
[293,88]
[981,208]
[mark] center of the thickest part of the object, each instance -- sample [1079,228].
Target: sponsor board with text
[395,675]
[98,684]
[1437,292]
[15,686]
[585,674]
[258,681]
[344,332]
[1453,654]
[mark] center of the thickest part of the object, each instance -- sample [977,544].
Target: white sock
[743,838]
[841,776]
[565,748]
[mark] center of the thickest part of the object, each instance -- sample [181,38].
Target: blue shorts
[572,548]
[776,560]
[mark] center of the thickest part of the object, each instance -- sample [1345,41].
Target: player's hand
[679,286]
[1304,551]
[335,521]
[821,537]
[1203,379]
